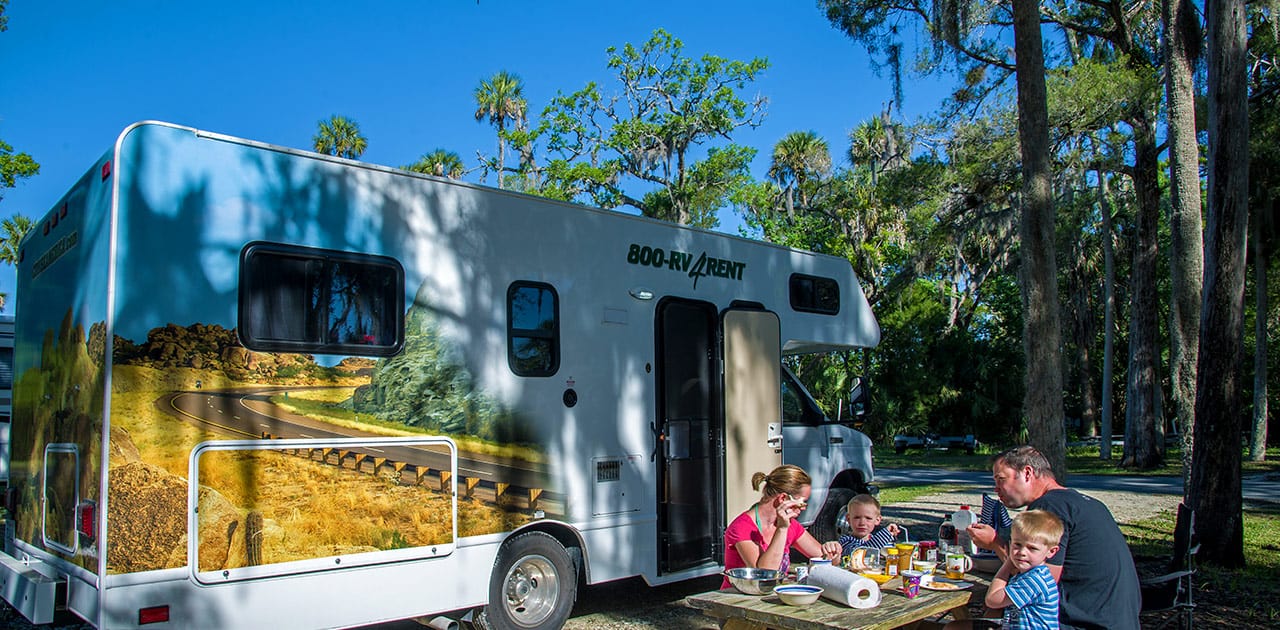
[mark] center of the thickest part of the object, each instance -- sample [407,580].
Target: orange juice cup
[906,553]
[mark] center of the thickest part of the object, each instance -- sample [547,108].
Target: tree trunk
[1215,467]
[1186,245]
[1042,332]
[1082,329]
[1258,437]
[1144,453]
[1108,318]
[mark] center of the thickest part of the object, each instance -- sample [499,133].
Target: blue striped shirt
[1035,600]
[880,537]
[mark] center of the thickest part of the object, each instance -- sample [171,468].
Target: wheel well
[569,538]
[850,478]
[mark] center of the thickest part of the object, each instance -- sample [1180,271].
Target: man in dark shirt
[1093,566]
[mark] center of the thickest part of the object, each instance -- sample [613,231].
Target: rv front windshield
[798,405]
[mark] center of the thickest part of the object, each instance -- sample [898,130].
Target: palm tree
[13,228]
[438,162]
[498,99]
[799,158]
[340,136]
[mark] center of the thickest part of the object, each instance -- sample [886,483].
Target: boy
[863,516]
[1023,586]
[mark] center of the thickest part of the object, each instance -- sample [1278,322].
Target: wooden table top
[894,610]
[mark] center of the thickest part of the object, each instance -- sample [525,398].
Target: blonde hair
[1038,525]
[863,499]
[785,479]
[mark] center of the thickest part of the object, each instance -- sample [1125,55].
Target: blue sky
[77,72]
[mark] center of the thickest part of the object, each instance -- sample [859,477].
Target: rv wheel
[533,584]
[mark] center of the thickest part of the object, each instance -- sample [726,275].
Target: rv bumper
[32,593]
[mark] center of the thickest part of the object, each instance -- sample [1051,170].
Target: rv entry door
[688,433]
[752,403]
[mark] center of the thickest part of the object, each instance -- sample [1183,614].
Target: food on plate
[943,585]
[880,578]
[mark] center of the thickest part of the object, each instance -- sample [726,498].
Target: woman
[762,536]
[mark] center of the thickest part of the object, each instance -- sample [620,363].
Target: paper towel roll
[845,587]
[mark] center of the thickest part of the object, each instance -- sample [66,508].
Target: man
[1093,566]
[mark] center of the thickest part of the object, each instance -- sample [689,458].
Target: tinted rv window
[533,329]
[298,299]
[815,294]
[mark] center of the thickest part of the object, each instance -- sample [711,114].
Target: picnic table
[738,611]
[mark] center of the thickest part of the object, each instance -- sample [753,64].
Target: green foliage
[656,133]
[427,386]
[339,136]
[440,162]
[14,166]
[14,228]
[499,99]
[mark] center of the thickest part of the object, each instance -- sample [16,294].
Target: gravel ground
[631,604]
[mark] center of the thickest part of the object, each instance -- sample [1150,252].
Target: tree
[952,26]
[340,136]
[14,166]
[1042,331]
[656,133]
[1264,203]
[498,99]
[800,159]
[14,229]
[440,162]
[1186,246]
[1215,466]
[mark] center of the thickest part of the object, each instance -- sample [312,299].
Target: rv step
[31,592]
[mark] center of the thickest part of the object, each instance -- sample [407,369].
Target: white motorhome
[260,387]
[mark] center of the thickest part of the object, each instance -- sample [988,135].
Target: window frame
[815,307]
[514,333]
[330,259]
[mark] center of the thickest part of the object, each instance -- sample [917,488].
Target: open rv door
[752,403]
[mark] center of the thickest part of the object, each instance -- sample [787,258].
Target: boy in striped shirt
[1023,586]
[863,516]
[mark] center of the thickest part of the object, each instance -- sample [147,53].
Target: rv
[261,387]
[6,392]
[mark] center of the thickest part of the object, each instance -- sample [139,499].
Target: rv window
[297,299]
[815,294]
[533,329]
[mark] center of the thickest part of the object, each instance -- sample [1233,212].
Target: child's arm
[893,528]
[996,597]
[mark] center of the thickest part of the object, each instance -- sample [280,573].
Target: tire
[533,585]
[825,528]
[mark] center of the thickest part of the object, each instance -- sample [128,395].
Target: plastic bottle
[946,533]
[962,519]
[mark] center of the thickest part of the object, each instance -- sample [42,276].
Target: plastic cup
[906,553]
[911,583]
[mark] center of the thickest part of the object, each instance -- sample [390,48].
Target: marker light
[154,614]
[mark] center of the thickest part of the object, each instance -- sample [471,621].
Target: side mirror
[859,398]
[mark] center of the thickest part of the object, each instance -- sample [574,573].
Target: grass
[1248,597]
[1081,460]
[905,494]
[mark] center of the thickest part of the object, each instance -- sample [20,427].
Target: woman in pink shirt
[762,536]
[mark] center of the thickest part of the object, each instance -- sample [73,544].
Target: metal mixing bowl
[753,581]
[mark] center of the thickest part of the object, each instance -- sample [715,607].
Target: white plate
[951,585]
